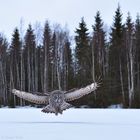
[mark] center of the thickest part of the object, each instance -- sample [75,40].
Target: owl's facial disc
[57,98]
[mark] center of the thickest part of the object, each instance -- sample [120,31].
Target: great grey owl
[57,100]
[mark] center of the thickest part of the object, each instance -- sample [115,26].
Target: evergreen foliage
[115,50]
[83,54]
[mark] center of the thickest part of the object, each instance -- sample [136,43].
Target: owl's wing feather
[31,97]
[81,92]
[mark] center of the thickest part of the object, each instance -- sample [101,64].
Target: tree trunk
[122,85]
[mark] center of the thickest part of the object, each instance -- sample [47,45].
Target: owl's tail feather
[48,109]
[56,110]
[65,106]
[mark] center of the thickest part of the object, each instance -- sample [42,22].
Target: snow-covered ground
[74,124]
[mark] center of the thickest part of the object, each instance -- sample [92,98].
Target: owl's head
[57,97]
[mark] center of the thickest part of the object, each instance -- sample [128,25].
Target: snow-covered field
[74,124]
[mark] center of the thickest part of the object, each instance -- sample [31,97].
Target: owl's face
[56,98]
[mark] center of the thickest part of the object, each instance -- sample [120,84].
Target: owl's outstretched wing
[70,96]
[31,97]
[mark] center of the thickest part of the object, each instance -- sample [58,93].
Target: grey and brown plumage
[57,100]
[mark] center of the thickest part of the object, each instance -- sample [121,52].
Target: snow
[74,124]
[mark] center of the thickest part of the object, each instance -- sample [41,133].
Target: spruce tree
[115,59]
[30,55]
[15,59]
[100,61]
[4,71]
[15,63]
[83,54]
[98,45]
[47,51]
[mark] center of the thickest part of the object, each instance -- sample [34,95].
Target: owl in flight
[56,101]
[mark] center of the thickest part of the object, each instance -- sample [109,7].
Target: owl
[57,100]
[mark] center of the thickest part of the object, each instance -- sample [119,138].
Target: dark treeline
[56,63]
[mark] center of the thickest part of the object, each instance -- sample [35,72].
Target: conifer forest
[57,60]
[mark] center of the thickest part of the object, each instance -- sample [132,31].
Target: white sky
[65,12]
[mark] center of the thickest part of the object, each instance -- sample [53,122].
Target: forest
[61,61]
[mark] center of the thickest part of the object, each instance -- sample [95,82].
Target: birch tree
[130,57]
[137,58]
